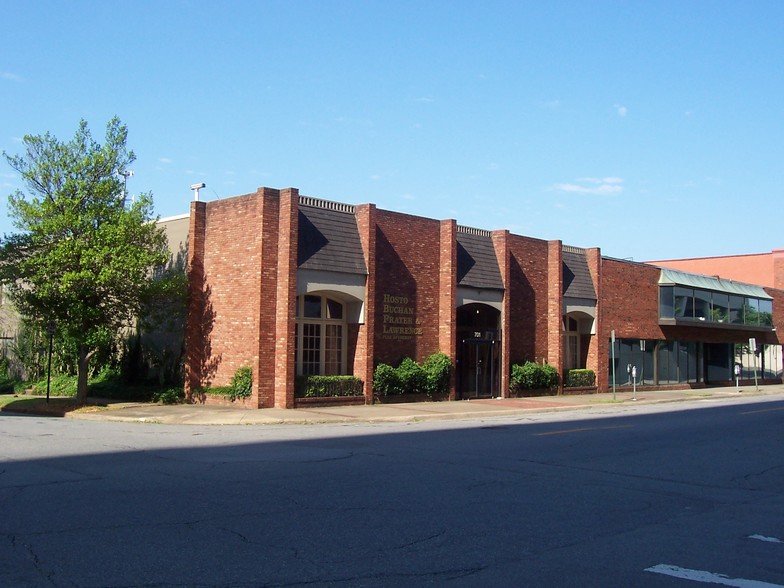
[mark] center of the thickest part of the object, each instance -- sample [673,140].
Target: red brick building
[291,285]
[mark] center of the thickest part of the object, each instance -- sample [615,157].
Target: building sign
[399,320]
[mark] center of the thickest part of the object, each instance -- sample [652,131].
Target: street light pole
[125,175]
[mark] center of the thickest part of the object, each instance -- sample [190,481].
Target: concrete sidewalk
[196,414]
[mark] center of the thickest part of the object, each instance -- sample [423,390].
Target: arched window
[321,336]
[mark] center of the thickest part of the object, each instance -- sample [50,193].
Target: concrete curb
[404,412]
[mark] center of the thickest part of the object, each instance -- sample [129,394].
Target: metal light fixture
[196,188]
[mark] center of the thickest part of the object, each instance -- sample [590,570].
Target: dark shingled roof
[576,277]
[477,265]
[329,241]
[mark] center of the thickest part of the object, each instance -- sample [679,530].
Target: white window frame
[323,322]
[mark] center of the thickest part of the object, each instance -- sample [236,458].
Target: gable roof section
[328,240]
[577,282]
[477,265]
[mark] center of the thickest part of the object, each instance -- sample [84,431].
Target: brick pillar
[598,354]
[263,395]
[195,344]
[555,307]
[447,294]
[501,246]
[363,358]
[286,298]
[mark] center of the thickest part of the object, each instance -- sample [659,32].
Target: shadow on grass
[56,407]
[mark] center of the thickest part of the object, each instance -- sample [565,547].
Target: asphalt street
[659,495]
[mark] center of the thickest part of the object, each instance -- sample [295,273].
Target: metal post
[50,328]
[756,383]
[612,355]
[753,348]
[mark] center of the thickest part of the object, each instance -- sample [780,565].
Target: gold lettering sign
[399,321]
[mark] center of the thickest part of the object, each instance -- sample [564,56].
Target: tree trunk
[81,380]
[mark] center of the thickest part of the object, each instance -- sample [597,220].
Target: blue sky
[651,129]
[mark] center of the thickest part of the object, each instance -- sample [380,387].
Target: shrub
[413,377]
[241,383]
[386,381]
[431,377]
[579,378]
[169,396]
[532,376]
[437,369]
[59,385]
[6,384]
[326,386]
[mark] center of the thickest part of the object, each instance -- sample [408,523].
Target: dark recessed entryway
[478,351]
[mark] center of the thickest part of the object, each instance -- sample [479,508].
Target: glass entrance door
[478,373]
[478,351]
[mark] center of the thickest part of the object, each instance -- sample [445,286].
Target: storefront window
[736,310]
[720,309]
[751,311]
[683,303]
[702,305]
[657,362]
[666,302]
[320,342]
[766,313]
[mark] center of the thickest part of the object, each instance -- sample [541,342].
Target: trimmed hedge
[533,376]
[579,378]
[431,377]
[327,386]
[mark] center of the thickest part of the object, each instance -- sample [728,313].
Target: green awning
[671,277]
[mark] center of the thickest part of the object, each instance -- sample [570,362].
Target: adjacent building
[292,285]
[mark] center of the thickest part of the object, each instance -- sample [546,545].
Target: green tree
[83,258]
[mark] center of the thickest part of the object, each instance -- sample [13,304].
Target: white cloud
[621,110]
[551,104]
[375,177]
[608,186]
[407,197]
[12,77]
[425,99]
[165,160]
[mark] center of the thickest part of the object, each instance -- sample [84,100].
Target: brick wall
[242,293]
[629,300]
[501,247]
[264,366]
[447,295]
[286,297]
[195,340]
[407,274]
[596,354]
[232,269]
[778,268]
[365,342]
[529,308]
[555,305]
